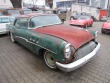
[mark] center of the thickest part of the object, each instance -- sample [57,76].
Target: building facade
[63,3]
[95,3]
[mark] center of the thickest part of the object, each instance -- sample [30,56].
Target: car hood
[74,35]
[106,25]
[81,22]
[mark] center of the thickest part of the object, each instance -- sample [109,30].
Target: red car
[83,21]
[106,27]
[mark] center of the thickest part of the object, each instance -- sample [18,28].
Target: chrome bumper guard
[78,63]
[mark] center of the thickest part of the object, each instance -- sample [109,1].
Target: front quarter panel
[50,43]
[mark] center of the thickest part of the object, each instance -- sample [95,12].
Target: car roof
[32,15]
[4,16]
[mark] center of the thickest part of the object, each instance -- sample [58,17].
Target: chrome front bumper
[78,63]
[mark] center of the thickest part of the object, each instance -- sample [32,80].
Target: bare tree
[16,3]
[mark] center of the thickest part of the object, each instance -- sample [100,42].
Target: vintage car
[76,15]
[62,46]
[106,27]
[83,21]
[3,21]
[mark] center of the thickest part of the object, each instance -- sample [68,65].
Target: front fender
[52,44]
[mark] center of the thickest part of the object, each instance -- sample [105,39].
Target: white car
[3,21]
[104,18]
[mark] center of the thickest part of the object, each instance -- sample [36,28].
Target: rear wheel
[62,20]
[86,26]
[71,17]
[91,25]
[50,60]
[102,31]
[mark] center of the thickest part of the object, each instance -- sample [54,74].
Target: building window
[64,4]
[4,1]
[102,4]
[87,2]
[81,1]
[95,3]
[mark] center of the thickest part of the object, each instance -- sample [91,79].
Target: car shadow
[3,35]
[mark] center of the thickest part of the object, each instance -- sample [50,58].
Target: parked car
[106,27]
[103,18]
[25,11]
[3,21]
[16,11]
[11,11]
[61,13]
[76,15]
[83,21]
[62,46]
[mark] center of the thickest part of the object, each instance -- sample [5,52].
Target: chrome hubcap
[49,59]
[12,37]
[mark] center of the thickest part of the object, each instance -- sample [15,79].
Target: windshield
[83,18]
[4,20]
[44,20]
[13,11]
[27,11]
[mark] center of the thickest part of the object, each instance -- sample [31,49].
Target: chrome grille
[84,50]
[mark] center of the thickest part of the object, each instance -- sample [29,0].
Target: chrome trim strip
[78,63]
[34,44]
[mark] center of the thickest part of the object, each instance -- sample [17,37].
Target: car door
[89,21]
[3,22]
[21,31]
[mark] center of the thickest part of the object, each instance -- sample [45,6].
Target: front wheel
[86,26]
[12,37]
[50,60]
[62,20]
[102,31]
[91,25]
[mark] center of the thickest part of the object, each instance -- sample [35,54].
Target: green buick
[62,46]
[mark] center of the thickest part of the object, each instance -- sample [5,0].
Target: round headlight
[67,51]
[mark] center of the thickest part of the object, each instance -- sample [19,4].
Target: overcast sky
[39,2]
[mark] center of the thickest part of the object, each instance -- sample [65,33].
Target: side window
[4,20]
[23,22]
[32,23]
[12,19]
